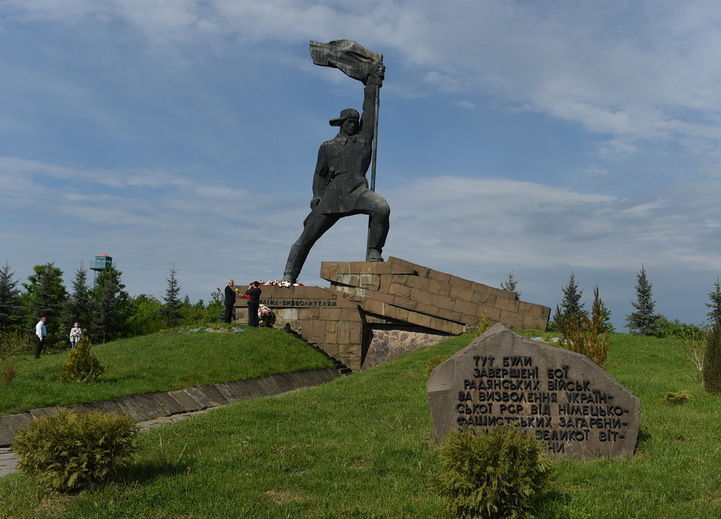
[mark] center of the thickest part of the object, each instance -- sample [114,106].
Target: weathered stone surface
[169,403]
[213,395]
[142,407]
[562,398]
[104,406]
[387,343]
[185,400]
[199,396]
[10,424]
[43,411]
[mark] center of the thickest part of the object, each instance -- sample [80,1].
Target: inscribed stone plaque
[560,397]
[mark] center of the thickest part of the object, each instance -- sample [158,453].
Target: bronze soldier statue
[340,187]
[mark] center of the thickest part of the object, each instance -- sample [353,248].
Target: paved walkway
[9,460]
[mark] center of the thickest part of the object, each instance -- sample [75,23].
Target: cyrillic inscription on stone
[297,303]
[560,397]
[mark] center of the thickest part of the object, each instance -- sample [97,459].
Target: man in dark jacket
[253,294]
[229,301]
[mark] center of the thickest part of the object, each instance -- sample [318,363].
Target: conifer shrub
[584,336]
[82,366]
[484,323]
[70,450]
[712,361]
[499,474]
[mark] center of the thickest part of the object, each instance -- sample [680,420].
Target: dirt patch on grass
[281,496]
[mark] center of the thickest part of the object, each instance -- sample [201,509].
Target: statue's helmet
[346,113]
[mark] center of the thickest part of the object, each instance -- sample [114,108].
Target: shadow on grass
[643,437]
[146,472]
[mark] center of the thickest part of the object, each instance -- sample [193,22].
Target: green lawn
[159,362]
[361,447]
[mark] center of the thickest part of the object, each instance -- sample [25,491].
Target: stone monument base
[374,311]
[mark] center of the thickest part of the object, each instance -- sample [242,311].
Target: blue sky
[533,137]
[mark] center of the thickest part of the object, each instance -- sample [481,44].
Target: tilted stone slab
[105,406]
[142,407]
[200,397]
[169,403]
[560,397]
[10,425]
[44,411]
[214,396]
[186,401]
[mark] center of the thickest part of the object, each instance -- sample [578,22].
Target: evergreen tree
[600,311]
[572,309]
[643,320]
[10,304]
[172,309]
[511,285]
[46,295]
[715,305]
[111,306]
[80,304]
[214,310]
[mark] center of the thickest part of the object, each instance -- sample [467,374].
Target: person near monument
[340,187]
[41,334]
[253,294]
[75,333]
[229,301]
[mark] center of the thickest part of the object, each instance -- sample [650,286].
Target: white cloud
[634,71]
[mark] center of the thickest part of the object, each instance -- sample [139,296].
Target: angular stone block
[142,407]
[10,424]
[560,397]
[187,402]
[104,406]
[197,394]
[212,393]
[169,403]
[43,411]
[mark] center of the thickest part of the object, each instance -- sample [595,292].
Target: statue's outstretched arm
[370,94]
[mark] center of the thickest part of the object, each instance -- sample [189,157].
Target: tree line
[103,307]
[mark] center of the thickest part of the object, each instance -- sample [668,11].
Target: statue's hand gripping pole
[359,63]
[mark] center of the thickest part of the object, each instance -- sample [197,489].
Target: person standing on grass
[229,301]
[75,333]
[253,294]
[41,334]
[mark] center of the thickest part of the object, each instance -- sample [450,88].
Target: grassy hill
[361,447]
[159,362]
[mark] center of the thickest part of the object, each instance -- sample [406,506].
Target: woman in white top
[75,333]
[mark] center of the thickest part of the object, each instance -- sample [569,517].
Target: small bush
[70,450]
[585,336]
[712,361]
[499,474]
[82,366]
[676,329]
[483,324]
[676,397]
